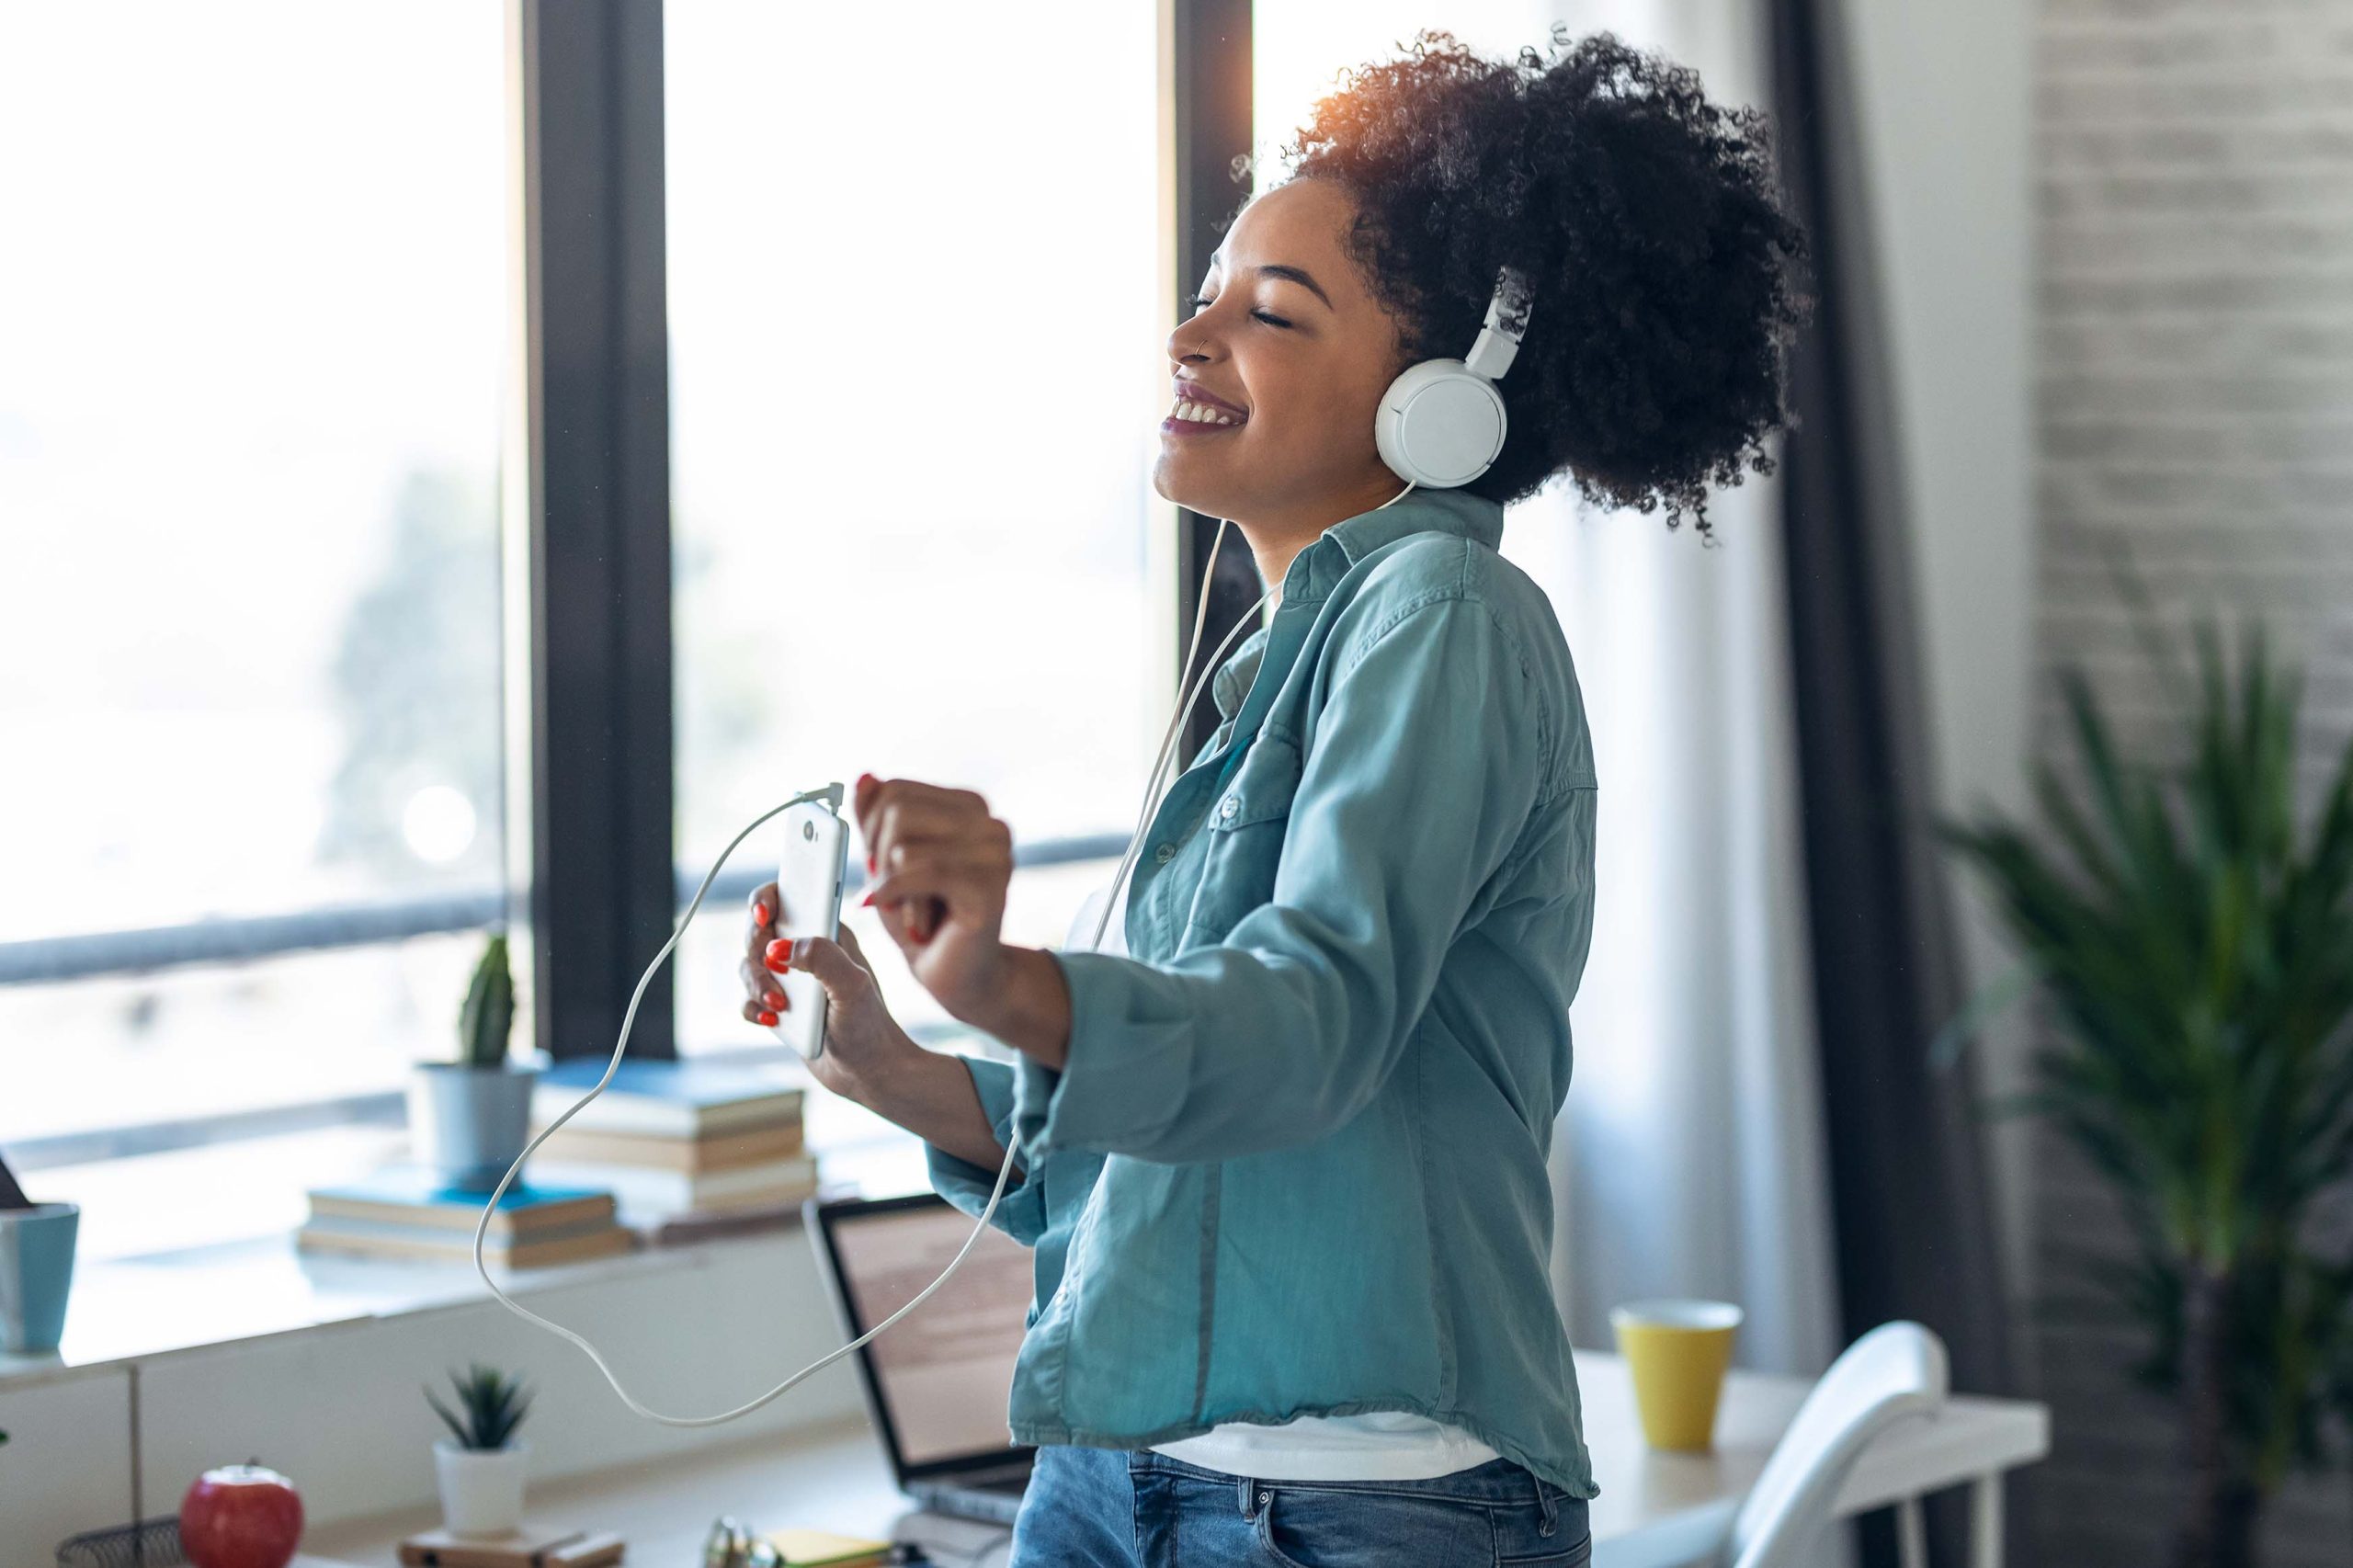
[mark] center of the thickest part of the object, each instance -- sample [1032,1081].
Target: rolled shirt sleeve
[1426,761]
[1022,1211]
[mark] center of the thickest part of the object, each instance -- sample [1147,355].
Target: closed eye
[1198,302]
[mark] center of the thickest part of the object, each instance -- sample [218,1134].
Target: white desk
[1655,1510]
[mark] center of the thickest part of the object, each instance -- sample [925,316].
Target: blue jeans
[1093,1507]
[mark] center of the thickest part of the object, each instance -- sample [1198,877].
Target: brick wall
[2194,338]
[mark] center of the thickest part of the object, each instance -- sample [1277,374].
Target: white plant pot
[482,1489]
[470,1123]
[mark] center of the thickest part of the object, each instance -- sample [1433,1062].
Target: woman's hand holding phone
[866,1050]
[867,1059]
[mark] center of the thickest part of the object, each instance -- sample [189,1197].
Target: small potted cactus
[470,1119]
[479,1466]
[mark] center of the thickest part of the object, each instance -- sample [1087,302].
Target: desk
[1655,1510]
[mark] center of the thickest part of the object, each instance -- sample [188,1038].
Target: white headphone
[1440,423]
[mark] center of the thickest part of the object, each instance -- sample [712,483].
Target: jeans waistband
[1496,1481]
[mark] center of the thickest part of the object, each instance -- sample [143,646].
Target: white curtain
[1690,1160]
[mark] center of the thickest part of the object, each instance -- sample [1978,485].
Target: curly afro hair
[1667,282]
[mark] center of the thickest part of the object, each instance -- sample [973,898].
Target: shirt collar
[1316,569]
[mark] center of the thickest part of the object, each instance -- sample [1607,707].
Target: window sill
[141,1306]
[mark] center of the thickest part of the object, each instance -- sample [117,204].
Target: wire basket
[153,1544]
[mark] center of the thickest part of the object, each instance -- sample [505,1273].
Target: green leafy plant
[492,1404]
[488,1018]
[2197,954]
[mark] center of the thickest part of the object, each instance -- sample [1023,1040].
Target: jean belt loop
[1549,1505]
[1244,1489]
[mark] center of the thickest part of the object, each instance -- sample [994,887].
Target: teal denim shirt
[1295,1162]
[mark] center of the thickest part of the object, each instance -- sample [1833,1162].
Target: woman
[1284,1166]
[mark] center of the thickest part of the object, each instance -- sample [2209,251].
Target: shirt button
[1227,807]
[1165,853]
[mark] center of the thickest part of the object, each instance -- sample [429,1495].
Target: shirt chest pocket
[1245,833]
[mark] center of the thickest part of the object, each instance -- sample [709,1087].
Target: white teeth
[1202,413]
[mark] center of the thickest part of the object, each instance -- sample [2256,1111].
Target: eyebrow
[1278,269]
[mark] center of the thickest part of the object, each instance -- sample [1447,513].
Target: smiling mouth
[1190,416]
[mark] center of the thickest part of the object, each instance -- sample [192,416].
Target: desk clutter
[732,1544]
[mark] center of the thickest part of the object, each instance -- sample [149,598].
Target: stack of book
[406,1211]
[689,1148]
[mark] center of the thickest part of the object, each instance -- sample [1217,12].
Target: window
[917,327]
[258,369]
[250,324]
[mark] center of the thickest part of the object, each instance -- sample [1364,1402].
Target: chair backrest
[1895,1372]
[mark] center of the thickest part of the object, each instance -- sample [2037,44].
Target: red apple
[241,1516]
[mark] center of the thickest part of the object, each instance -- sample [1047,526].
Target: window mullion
[589,746]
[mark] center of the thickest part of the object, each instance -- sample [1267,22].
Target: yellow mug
[1678,1351]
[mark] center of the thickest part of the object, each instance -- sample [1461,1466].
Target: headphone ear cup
[1440,425]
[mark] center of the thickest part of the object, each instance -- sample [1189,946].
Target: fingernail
[779,953]
[868,902]
[776,965]
[870,862]
[760,915]
[769,1019]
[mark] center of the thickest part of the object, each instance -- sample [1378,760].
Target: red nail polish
[768,1020]
[870,862]
[779,953]
[868,902]
[760,915]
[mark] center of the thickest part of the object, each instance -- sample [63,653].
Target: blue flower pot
[36,1274]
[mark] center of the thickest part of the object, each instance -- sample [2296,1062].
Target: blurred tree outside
[416,798]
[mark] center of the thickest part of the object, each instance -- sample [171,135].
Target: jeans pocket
[1522,1539]
[1307,1527]
[1576,1555]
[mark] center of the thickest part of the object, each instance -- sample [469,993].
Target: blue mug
[36,1274]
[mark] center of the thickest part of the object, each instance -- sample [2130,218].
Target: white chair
[1896,1372]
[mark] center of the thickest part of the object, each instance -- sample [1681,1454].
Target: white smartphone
[809,888]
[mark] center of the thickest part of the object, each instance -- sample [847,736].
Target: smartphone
[809,891]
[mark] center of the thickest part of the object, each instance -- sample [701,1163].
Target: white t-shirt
[1381,1444]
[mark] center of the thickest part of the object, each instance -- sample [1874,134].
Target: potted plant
[479,1466]
[471,1117]
[2196,950]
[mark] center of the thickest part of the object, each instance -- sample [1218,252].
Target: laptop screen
[939,1377]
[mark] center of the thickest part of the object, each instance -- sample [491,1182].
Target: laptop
[936,1383]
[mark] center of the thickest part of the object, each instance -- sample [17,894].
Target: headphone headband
[1506,324]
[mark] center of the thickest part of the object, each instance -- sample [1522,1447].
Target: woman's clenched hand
[941,865]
